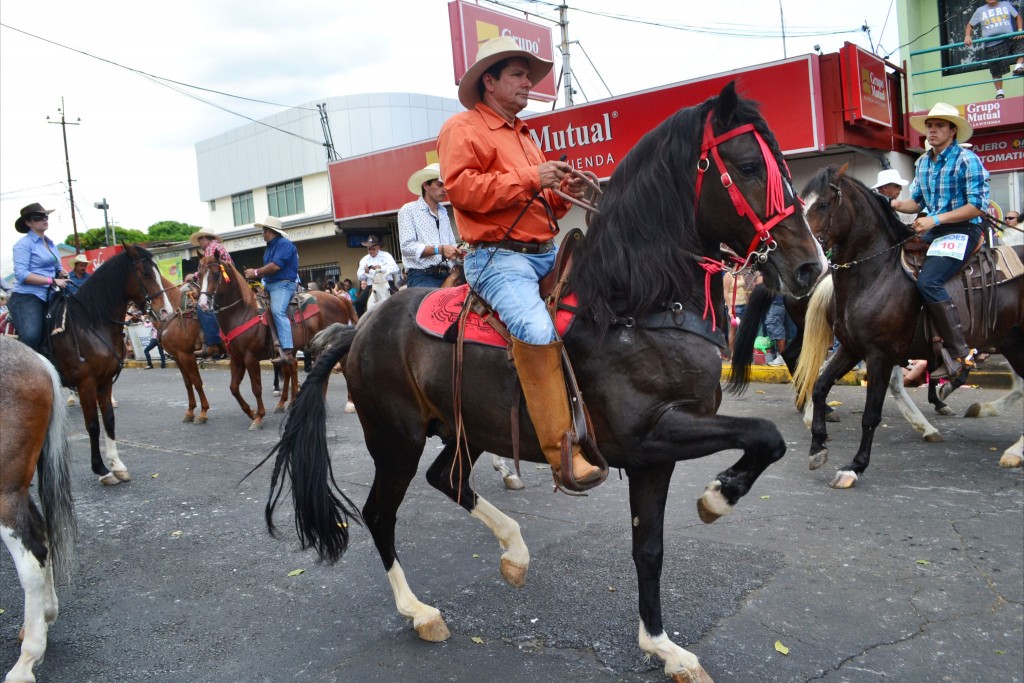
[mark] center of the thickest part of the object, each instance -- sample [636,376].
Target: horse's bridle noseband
[763,242]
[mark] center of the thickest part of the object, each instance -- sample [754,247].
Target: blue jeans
[510,283]
[154,343]
[778,324]
[27,311]
[211,330]
[281,292]
[938,269]
[419,278]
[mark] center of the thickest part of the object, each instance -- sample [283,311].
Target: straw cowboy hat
[492,52]
[271,223]
[20,224]
[372,241]
[416,180]
[946,112]
[81,258]
[889,176]
[202,232]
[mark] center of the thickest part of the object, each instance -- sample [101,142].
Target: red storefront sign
[865,87]
[595,137]
[97,257]
[472,25]
[984,115]
[1000,151]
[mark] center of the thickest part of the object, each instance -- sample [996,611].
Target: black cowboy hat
[372,241]
[20,225]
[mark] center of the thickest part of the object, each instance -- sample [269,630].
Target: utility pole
[67,162]
[782,20]
[563,23]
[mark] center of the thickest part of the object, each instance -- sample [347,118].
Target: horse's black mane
[636,257]
[101,296]
[878,204]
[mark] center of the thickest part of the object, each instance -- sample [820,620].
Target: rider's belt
[433,270]
[520,247]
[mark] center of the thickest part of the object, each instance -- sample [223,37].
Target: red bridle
[775,203]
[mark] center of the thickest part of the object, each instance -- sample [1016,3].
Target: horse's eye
[748,170]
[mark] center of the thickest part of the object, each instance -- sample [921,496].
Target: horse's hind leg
[511,479]
[40,600]
[452,478]
[390,482]
[908,409]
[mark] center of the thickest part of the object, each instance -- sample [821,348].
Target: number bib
[951,246]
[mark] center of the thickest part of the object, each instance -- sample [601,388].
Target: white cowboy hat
[82,258]
[889,176]
[946,112]
[416,180]
[492,52]
[271,223]
[202,232]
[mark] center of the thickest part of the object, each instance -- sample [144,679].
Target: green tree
[171,231]
[95,238]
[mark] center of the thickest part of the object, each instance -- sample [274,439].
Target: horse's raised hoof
[698,675]
[256,425]
[514,574]
[844,479]
[934,437]
[1010,460]
[974,410]
[712,504]
[433,630]
[944,410]
[109,479]
[818,459]
[350,407]
[513,482]
[188,418]
[122,475]
[832,416]
[279,408]
[201,420]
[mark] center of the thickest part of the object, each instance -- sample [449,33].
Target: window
[321,274]
[241,207]
[213,205]
[286,199]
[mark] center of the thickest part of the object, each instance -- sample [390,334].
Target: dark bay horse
[87,344]
[33,441]
[878,309]
[645,358]
[247,336]
[179,335]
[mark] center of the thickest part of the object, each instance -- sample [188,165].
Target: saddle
[972,288]
[302,306]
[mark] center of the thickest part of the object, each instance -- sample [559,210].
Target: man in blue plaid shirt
[951,188]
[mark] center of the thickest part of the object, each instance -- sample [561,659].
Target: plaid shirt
[953,179]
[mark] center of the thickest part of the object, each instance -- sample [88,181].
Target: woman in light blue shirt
[36,269]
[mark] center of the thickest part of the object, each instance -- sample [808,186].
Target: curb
[765,374]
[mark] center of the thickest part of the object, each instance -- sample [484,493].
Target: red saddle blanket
[441,308]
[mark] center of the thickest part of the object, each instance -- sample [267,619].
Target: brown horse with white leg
[179,335]
[33,442]
[246,333]
[87,342]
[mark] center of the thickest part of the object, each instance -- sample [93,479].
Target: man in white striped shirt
[425,231]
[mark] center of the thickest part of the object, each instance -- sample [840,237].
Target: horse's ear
[216,256]
[726,104]
[842,170]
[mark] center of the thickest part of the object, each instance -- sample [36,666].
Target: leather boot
[287,357]
[540,374]
[956,354]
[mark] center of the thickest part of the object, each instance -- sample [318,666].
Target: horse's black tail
[322,510]
[758,303]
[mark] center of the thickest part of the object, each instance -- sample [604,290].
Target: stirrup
[565,477]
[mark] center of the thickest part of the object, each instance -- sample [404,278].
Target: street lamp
[107,237]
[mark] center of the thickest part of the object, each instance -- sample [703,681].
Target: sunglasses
[36,217]
[1012,218]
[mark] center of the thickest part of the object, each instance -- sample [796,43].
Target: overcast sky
[135,142]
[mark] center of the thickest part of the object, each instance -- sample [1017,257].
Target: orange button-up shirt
[490,172]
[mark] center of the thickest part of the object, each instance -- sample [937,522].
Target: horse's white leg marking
[1014,455]
[515,561]
[425,619]
[677,660]
[908,409]
[808,413]
[33,582]
[1001,405]
[114,463]
[511,479]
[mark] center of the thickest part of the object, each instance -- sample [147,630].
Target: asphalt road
[914,575]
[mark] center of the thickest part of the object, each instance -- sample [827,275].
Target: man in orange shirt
[501,187]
